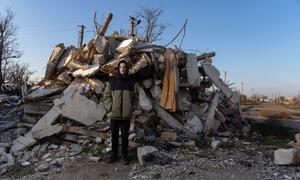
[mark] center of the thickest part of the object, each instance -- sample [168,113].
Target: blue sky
[257,41]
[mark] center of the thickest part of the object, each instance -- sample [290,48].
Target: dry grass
[275,113]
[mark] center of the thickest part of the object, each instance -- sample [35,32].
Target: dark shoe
[112,158]
[125,160]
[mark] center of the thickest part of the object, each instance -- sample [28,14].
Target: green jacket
[119,98]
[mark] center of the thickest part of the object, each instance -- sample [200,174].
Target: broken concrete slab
[97,85]
[65,57]
[146,154]
[65,77]
[210,117]
[194,125]
[125,45]
[140,64]
[70,106]
[183,99]
[144,101]
[193,74]
[215,144]
[41,129]
[37,108]
[297,137]
[213,73]
[47,130]
[22,143]
[94,159]
[156,92]
[42,92]
[87,72]
[101,43]
[287,156]
[44,128]
[54,60]
[99,59]
[74,65]
[167,118]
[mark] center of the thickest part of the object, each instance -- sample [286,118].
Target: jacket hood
[127,70]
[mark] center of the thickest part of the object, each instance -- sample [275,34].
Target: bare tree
[151,25]
[8,42]
[18,73]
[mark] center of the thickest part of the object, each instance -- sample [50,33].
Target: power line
[45,32]
[52,24]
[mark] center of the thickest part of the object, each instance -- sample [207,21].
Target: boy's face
[122,68]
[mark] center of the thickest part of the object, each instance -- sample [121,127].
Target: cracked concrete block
[146,154]
[193,74]
[87,72]
[194,125]
[287,156]
[213,73]
[22,143]
[167,118]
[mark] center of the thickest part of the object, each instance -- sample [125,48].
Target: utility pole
[131,26]
[133,23]
[225,77]
[80,36]
[242,90]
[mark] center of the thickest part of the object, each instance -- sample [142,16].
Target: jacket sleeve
[108,97]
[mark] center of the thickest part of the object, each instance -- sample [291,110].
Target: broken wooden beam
[106,24]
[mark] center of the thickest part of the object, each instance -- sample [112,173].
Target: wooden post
[81,33]
[106,24]
[131,26]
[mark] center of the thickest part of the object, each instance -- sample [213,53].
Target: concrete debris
[42,92]
[175,105]
[144,101]
[193,74]
[43,167]
[213,73]
[146,154]
[297,137]
[194,125]
[210,117]
[22,143]
[215,144]
[94,159]
[287,156]
[87,72]
[167,118]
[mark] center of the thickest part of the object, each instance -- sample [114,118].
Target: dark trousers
[114,126]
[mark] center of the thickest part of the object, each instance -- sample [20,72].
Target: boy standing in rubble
[119,97]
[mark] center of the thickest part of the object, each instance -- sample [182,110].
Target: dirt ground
[252,111]
[237,159]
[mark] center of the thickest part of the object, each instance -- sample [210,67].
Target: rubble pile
[181,98]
